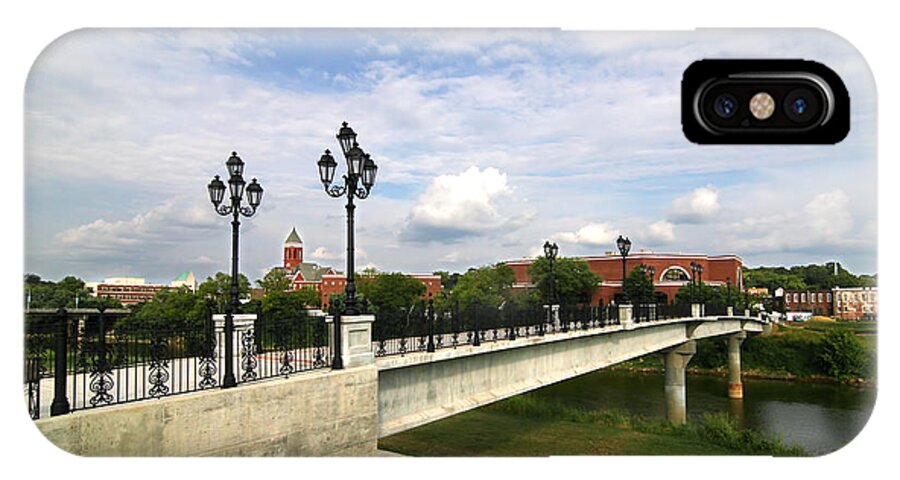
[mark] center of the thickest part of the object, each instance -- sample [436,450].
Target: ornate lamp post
[361,169]
[550,252]
[234,208]
[697,280]
[624,245]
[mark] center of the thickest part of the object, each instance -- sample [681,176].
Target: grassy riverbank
[826,352]
[527,425]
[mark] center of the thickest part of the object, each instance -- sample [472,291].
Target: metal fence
[77,360]
[424,327]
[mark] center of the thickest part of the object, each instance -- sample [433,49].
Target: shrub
[843,354]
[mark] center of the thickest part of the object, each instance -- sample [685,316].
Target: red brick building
[672,271]
[860,303]
[326,280]
[817,302]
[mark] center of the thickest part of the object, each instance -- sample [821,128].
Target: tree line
[490,286]
[801,277]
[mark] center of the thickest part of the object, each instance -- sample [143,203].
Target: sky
[488,143]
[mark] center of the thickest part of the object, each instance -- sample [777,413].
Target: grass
[527,425]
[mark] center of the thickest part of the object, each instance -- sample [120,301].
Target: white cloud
[461,206]
[592,234]
[323,253]
[661,231]
[825,220]
[173,222]
[699,206]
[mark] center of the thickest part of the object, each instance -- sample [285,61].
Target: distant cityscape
[842,296]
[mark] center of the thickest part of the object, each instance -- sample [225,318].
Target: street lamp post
[550,252]
[624,245]
[361,169]
[234,208]
[697,280]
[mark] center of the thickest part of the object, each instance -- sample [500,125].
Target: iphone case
[544,264]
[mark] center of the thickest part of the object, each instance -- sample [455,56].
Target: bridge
[387,385]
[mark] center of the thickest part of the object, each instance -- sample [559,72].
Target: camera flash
[762,105]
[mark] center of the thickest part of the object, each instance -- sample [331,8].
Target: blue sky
[488,143]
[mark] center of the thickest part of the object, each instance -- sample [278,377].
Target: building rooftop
[293,237]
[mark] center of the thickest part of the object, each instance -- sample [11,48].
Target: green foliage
[791,352]
[489,285]
[448,280]
[390,290]
[62,294]
[718,429]
[175,308]
[639,287]
[573,280]
[843,354]
[799,277]
[723,430]
[833,352]
[274,281]
[697,293]
[283,306]
[218,289]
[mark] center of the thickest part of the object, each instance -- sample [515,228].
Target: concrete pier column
[735,387]
[729,311]
[676,360]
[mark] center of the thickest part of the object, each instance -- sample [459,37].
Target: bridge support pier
[676,360]
[735,387]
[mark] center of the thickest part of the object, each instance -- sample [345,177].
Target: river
[820,417]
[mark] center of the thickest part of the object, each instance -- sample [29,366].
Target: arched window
[675,274]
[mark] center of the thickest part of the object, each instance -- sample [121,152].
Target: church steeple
[293,250]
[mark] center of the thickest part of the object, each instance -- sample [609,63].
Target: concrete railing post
[356,339]
[626,316]
[241,324]
[696,310]
[729,311]
[676,360]
[735,387]
[746,312]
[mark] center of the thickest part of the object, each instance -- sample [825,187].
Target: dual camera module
[763,101]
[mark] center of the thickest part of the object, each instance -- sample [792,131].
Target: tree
[573,280]
[390,290]
[448,280]
[274,281]
[489,285]
[62,294]
[843,354]
[218,289]
[176,308]
[731,295]
[639,287]
[281,306]
[697,293]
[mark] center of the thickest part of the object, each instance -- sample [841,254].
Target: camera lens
[801,105]
[725,105]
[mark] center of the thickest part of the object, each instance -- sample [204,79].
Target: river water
[820,418]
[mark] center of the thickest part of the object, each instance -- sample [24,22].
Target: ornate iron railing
[717,310]
[424,327]
[88,359]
